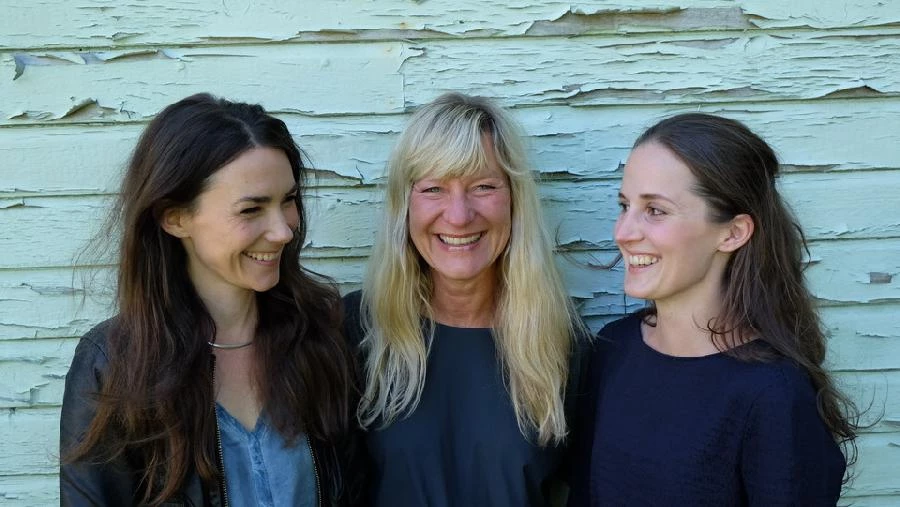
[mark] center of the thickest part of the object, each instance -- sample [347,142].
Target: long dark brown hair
[156,401]
[765,295]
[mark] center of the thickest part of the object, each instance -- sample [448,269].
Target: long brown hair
[765,294]
[156,400]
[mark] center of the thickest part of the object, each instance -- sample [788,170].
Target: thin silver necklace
[230,346]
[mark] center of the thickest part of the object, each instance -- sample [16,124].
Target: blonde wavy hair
[534,323]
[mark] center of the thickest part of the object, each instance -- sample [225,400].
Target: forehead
[653,168]
[474,173]
[481,163]
[257,171]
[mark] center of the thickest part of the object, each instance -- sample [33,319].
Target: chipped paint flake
[876,277]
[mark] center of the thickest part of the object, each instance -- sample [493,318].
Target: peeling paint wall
[80,79]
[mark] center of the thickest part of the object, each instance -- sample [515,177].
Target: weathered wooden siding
[80,79]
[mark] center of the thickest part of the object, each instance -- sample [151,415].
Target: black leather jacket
[339,474]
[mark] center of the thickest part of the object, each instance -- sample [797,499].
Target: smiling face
[673,253]
[461,226]
[239,225]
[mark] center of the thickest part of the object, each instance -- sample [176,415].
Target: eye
[485,187]
[290,199]
[623,207]
[430,190]
[655,212]
[250,211]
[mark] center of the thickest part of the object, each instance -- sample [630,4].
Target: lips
[460,240]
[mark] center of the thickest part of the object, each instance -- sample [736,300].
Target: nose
[626,228]
[281,228]
[459,208]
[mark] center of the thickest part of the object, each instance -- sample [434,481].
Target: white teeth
[457,241]
[642,260]
[262,256]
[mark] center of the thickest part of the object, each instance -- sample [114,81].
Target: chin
[638,293]
[264,287]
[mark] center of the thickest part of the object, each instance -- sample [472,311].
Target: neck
[235,317]
[682,332]
[465,304]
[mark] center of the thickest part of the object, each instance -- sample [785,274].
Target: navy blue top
[461,446]
[696,431]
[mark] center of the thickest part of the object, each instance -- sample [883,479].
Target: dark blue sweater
[461,446]
[662,430]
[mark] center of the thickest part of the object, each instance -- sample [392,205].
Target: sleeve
[788,456]
[86,482]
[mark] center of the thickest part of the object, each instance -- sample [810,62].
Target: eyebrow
[649,197]
[265,199]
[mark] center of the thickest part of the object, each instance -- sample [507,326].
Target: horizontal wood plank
[134,84]
[683,68]
[387,77]
[29,490]
[863,337]
[35,450]
[876,471]
[94,23]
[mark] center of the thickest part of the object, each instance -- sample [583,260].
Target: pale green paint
[820,80]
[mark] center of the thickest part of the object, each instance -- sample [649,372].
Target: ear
[174,221]
[739,231]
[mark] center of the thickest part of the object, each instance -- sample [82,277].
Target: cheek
[418,216]
[500,211]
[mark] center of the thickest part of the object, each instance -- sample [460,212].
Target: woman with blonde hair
[465,329]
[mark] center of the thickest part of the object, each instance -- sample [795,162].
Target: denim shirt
[260,469]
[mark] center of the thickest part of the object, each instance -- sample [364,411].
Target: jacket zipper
[223,488]
[315,471]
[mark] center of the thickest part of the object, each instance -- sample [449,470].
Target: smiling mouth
[642,260]
[460,240]
[264,257]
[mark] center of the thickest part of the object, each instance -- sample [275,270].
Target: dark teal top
[712,430]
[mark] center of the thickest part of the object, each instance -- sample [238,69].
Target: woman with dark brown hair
[715,394]
[223,379]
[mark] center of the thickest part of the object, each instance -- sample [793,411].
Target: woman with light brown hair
[466,330]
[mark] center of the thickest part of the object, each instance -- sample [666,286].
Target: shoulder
[774,395]
[83,380]
[92,347]
[780,385]
[625,328]
[618,333]
[90,361]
